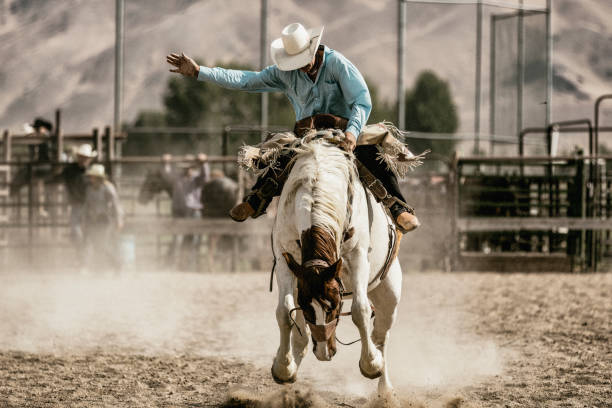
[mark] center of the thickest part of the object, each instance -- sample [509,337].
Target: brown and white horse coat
[329,232]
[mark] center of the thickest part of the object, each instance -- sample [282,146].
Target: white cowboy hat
[28,129]
[296,47]
[96,170]
[85,150]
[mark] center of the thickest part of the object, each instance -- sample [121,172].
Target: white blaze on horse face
[320,351]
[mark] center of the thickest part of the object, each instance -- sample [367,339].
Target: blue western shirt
[339,88]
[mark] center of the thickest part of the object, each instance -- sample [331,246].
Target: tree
[381,109]
[430,108]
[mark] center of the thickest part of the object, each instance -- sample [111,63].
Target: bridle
[321,332]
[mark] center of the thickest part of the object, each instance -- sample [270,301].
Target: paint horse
[331,239]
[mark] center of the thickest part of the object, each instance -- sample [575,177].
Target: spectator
[219,195]
[40,156]
[102,220]
[186,194]
[73,177]
[41,152]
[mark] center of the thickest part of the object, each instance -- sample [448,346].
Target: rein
[323,328]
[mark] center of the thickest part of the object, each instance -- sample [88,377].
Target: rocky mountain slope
[60,53]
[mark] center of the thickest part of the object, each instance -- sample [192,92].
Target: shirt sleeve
[356,94]
[266,80]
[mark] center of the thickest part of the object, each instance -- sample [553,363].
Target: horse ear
[292,264]
[333,271]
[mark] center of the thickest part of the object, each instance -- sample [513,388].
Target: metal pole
[119,37]
[492,86]
[401,101]
[520,69]
[478,77]
[263,58]
[119,14]
[549,62]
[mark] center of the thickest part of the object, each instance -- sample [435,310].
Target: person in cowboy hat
[73,177]
[102,218]
[187,185]
[326,91]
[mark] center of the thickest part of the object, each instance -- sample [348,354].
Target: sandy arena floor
[192,340]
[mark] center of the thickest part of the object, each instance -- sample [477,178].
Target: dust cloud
[430,354]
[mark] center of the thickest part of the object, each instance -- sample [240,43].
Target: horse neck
[322,180]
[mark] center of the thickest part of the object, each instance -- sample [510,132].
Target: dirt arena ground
[203,340]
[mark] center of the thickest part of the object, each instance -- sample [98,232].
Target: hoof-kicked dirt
[189,340]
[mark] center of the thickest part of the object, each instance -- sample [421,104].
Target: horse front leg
[385,299]
[300,339]
[284,367]
[371,362]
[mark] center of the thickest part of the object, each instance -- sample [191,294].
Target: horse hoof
[370,376]
[280,381]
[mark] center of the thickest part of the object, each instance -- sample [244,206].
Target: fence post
[453,180]
[30,210]
[225,146]
[108,148]
[5,191]
[6,154]
[59,137]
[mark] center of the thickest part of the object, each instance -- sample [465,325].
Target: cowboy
[73,177]
[102,218]
[326,91]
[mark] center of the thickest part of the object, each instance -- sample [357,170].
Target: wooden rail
[474,224]
[167,225]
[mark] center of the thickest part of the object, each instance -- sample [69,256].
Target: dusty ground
[188,340]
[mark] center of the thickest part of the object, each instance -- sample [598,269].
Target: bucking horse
[332,241]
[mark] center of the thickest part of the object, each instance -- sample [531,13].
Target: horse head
[319,288]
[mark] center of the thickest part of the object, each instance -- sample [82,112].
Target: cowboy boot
[257,201]
[404,217]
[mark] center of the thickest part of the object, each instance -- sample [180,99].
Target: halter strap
[316,262]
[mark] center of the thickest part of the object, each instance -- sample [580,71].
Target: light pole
[401,29]
[263,58]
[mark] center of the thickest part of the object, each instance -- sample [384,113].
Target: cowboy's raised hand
[184,65]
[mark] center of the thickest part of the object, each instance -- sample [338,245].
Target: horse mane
[327,172]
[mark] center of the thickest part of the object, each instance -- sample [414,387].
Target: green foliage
[430,108]
[148,118]
[381,109]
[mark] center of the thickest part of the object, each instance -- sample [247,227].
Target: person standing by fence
[102,220]
[73,177]
[186,203]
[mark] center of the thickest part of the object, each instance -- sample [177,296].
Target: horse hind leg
[385,299]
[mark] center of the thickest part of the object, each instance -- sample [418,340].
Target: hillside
[60,54]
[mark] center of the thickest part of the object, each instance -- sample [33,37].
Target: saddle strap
[374,185]
[319,121]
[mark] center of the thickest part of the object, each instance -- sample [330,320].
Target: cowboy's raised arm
[266,80]
[355,92]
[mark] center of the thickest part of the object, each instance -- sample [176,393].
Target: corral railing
[36,218]
[544,212]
